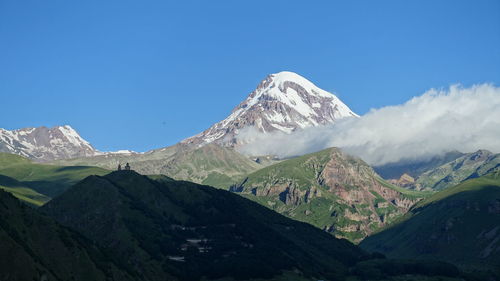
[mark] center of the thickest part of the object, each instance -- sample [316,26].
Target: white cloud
[463,119]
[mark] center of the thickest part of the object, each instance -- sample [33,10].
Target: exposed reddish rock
[405,181]
[359,199]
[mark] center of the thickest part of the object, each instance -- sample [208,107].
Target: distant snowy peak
[283,101]
[119,152]
[45,144]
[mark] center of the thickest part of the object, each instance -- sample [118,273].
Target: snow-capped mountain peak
[45,144]
[283,101]
[73,137]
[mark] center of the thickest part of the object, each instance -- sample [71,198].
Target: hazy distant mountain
[414,168]
[442,172]
[45,144]
[283,102]
[470,165]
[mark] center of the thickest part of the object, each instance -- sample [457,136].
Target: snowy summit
[283,101]
[44,144]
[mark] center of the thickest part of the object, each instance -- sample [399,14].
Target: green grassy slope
[35,247]
[7,159]
[22,192]
[330,190]
[49,180]
[460,224]
[210,164]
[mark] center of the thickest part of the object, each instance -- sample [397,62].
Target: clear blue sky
[146,74]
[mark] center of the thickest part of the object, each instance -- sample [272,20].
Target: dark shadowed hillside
[163,229]
[49,180]
[183,229]
[460,224]
[35,247]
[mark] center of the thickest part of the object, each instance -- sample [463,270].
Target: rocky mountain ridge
[460,168]
[45,144]
[331,190]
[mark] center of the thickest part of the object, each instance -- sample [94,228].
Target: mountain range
[125,226]
[307,211]
[44,144]
[282,102]
[134,227]
[329,189]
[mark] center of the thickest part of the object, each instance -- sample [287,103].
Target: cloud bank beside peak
[463,119]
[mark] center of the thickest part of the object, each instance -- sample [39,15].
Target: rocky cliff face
[45,144]
[283,102]
[331,190]
[405,181]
